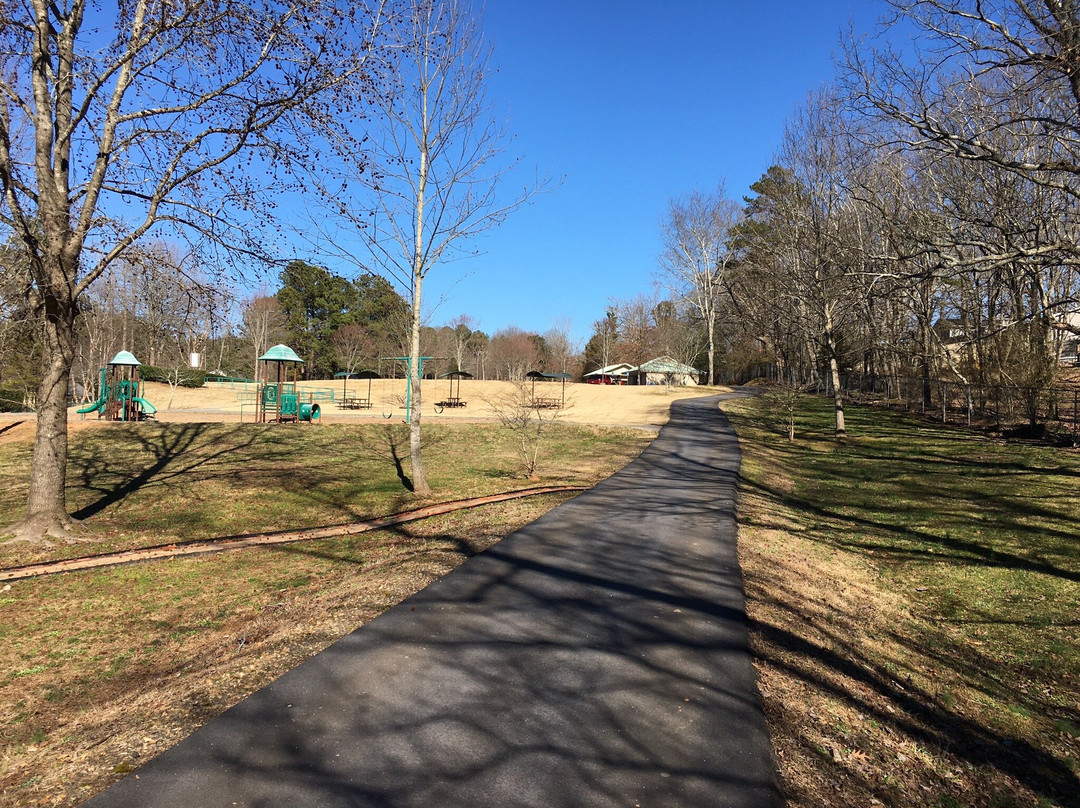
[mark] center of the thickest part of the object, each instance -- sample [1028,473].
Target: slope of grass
[915,601]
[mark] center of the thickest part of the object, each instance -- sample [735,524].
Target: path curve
[597,657]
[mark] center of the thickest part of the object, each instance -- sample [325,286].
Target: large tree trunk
[46,509]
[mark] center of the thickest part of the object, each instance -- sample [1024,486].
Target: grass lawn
[101,670]
[914,596]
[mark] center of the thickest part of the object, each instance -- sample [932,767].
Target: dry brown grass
[913,649]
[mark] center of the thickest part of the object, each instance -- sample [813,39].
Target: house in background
[1068,341]
[611,374]
[664,370]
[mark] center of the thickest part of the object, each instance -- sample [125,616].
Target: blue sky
[629,103]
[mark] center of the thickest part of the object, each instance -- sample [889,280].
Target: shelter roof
[536,374]
[457,374]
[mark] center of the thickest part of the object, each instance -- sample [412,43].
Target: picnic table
[451,402]
[546,403]
[354,403]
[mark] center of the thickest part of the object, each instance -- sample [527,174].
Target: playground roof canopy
[281,353]
[124,358]
[536,374]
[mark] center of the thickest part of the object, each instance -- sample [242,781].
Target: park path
[597,657]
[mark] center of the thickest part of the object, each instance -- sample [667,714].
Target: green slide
[97,405]
[147,407]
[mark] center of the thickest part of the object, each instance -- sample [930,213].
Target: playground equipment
[348,402]
[453,401]
[277,399]
[118,392]
[408,375]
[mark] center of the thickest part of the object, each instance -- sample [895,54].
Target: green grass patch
[979,541]
[143,484]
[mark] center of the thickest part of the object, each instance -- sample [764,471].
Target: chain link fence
[1053,411]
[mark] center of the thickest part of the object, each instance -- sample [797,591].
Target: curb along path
[596,657]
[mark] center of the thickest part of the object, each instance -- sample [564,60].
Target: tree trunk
[834,371]
[838,396]
[46,507]
[712,349]
[416,460]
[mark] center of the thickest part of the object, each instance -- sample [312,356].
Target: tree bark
[46,508]
[712,349]
[416,458]
[834,371]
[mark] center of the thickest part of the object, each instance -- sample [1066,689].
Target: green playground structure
[118,392]
[278,400]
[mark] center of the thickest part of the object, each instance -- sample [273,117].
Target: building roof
[620,369]
[665,364]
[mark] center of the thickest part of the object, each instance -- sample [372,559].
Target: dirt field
[585,403]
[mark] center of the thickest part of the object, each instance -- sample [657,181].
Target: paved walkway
[597,657]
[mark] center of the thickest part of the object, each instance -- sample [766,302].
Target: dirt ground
[585,403]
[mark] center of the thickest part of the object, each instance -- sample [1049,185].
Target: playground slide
[97,405]
[147,407]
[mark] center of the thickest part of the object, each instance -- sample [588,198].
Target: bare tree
[600,348]
[529,423]
[463,327]
[513,353]
[985,67]
[262,324]
[110,128]
[439,153]
[354,346]
[560,342]
[698,254]
[637,329]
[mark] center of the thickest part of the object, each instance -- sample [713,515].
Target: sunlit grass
[975,546]
[140,484]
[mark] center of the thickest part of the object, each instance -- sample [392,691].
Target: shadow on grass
[841,533]
[390,442]
[166,447]
[10,426]
[919,715]
[900,493]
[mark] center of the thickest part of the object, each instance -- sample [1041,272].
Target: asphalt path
[596,657]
